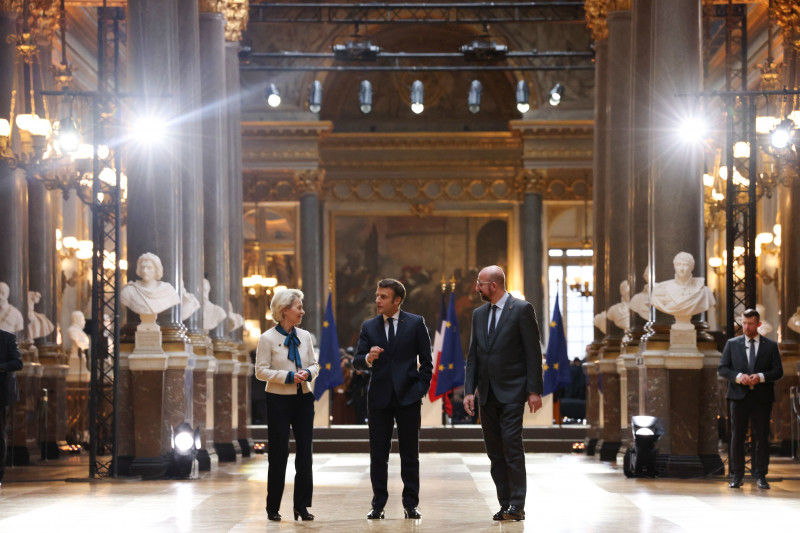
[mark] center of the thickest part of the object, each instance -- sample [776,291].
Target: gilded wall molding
[531,181]
[213,6]
[309,181]
[597,18]
[237,13]
[787,13]
[619,5]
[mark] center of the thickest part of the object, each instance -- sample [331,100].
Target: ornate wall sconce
[581,287]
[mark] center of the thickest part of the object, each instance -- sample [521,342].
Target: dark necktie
[491,321]
[752,355]
[390,320]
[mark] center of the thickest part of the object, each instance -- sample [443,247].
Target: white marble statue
[619,313]
[683,296]
[78,337]
[38,324]
[765,328]
[235,320]
[10,317]
[794,321]
[640,302]
[148,295]
[600,321]
[213,314]
[189,303]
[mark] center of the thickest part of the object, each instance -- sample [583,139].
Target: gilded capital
[213,6]
[787,13]
[531,181]
[619,5]
[236,16]
[596,18]
[309,181]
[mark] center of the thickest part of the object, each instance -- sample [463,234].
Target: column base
[609,451]
[712,465]
[591,446]
[682,466]
[150,467]
[52,450]
[18,456]
[227,451]
[124,463]
[205,459]
[246,445]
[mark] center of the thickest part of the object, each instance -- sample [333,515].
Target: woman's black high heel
[274,516]
[303,514]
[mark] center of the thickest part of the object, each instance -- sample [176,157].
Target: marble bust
[10,317]
[213,314]
[78,337]
[794,321]
[148,295]
[599,321]
[619,313]
[235,320]
[683,296]
[38,324]
[640,303]
[189,303]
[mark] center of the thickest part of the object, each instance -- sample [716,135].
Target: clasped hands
[301,376]
[749,379]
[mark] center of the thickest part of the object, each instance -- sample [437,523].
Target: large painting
[418,252]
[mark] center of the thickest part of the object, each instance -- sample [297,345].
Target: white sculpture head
[625,290]
[4,292]
[206,289]
[34,297]
[683,263]
[149,267]
[78,319]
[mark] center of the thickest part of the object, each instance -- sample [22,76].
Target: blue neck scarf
[291,342]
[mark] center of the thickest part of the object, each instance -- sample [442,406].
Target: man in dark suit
[504,364]
[391,344]
[10,362]
[751,364]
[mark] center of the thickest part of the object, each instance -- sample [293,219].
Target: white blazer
[273,364]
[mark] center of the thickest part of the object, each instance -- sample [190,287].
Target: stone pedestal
[782,414]
[126,442]
[628,369]
[226,413]
[243,401]
[77,401]
[53,402]
[178,386]
[708,434]
[23,421]
[205,366]
[592,372]
[610,433]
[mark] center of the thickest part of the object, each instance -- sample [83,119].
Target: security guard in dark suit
[10,362]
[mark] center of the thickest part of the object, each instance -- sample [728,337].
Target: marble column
[532,243]
[155,219]
[14,261]
[672,379]
[205,366]
[789,305]
[309,184]
[243,434]
[226,412]
[234,115]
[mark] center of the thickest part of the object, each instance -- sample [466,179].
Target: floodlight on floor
[523,96]
[185,443]
[273,96]
[474,98]
[365,97]
[417,97]
[556,94]
[640,460]
[315,96]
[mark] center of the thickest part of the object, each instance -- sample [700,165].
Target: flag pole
[451,394]
[330,390]
[443,411]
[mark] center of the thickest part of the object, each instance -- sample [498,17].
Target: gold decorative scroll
[596,18]
[213,6]
[531,181]
[787,13]
[236,16]
[619,5]
[309,181]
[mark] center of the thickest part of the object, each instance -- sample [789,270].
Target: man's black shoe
[514,512]
[762,483]
[412,512]
[735,483]
[376,513]
[499,514]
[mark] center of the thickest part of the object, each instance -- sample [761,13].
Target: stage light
[641,459]
[68,136]
[523,96]
[781,136]
[315,97]
[356,51]
[185,443]
[148,130]
[474,98]
[273,96]
[365,97]
[695,130]
[556,94]
[417,97]
[484,51]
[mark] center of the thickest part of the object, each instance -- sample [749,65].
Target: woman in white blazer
[285,360]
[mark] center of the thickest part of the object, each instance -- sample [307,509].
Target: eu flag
[556,366]
[330,368]
[451,362]
[437,350]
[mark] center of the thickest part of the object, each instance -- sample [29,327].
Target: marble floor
[569,493]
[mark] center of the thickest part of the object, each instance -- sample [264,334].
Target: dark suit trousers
[3,440]
[750,412]
[502,435]
[381,422]
[297,411]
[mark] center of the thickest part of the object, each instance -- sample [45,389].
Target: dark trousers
[381,422]
[3,441]
[750,412]
[502,435]
[283,411]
